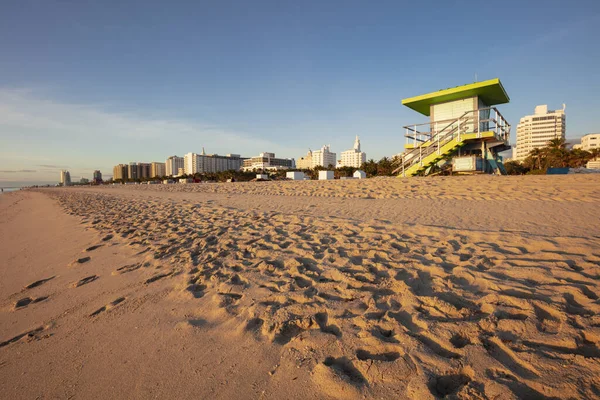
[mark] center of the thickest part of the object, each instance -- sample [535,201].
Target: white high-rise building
[589,142]
[305,162]
[65,178]
[323,157]
[208,163]
[172,165]
[267,161]
[535,131]
[353,157]
[190,162]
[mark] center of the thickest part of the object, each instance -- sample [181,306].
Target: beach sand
[465,287]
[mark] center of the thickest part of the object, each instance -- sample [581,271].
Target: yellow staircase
[439,145]
[428,148]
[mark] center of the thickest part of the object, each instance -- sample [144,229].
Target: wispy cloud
[37,115]
[53,166]
[17,171]
[37,130]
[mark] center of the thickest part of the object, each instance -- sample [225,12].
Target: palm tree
[578,158]
[384,167]
[557,143]
[536,154]
[558,155]
[370,167]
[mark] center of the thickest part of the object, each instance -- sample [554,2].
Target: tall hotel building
[208,163]
[133,170]
[65,178]
[535,131]
[323,157]
[172,165]
[157,170]
[138,170]
[268,161]
[120,171]
[97,176]
[305,162]
[353,157]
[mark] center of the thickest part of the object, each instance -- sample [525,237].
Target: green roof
[491,92]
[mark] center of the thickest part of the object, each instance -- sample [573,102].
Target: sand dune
[541,188]
[344,305]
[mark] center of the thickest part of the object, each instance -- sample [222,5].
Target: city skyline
[102,91]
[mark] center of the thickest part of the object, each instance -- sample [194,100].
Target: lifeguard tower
[464,128]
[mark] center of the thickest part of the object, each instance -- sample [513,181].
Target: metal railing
[430,137]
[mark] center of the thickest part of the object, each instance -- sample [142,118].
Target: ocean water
[11,186]
[8,189]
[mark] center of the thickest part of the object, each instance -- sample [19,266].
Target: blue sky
[89,84]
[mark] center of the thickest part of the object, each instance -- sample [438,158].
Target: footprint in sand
[519,389]
[365,355]
[107,307]
[549,320]
[84,281]
[157,277]
[344,368]
[24,302]
[383,334]
[322,320]
[501,352]
[459,341]
[447,385]
[31,335]
[229,300]
[38,283]
[285,331]
[127,268]
[573,307]
[81,260]
[197,290]
[254,324]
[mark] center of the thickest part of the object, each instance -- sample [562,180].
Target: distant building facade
[137,170]
[65,178]
[593,164]
[210,163]
[590,141]
[354,157]
[157,170]
[323,157]
[145,170]
[133,171]
[121,172]
[305,162]
[535,131]
[172,165]
[268,161]
[97,176]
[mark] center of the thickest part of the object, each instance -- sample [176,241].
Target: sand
[457,287]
